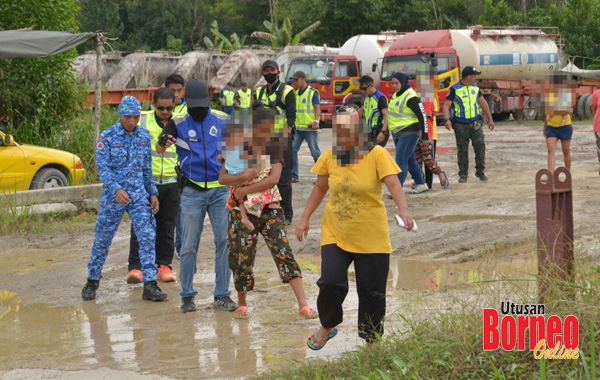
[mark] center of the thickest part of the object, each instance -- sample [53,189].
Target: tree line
[184,25]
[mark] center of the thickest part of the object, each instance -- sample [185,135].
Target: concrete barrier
[71,194]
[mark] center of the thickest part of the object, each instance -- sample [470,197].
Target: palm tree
[280,37]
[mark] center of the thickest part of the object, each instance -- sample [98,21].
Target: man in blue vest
[198,141]
[466,102]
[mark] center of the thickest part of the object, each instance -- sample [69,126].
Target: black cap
[244,84]
[196,94]
[299,75]
[470,70]
[270,63]
[229,84]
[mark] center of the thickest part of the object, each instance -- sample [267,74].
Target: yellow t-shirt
[557,120]
[354,217]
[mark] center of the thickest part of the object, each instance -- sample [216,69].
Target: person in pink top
[596,112]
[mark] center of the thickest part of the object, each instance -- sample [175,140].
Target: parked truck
[513,62]
[335,75]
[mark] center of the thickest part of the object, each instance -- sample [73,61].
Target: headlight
[326,101]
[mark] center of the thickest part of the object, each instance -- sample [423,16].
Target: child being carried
[239,158]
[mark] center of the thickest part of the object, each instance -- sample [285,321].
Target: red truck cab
[334,76]
[409,55]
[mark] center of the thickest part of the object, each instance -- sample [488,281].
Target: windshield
[409,65]
[318,70]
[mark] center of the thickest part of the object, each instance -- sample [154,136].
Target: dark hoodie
[416,106]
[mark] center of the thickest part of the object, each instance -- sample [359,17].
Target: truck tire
[588,107]
[503,116]
[528,114]
[48,178]
[581,107]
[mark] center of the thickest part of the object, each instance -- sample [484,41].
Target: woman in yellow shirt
[557,123]
[354,227]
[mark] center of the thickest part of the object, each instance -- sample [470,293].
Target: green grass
[447,344]
[21,221]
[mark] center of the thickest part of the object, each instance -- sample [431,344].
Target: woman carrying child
[260,199]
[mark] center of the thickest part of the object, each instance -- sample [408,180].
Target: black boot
[187,304]
[152,292]
[89,290]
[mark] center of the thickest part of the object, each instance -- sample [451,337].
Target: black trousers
[285,182]
[371,280]
[168,198]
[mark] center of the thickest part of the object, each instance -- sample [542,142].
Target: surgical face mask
[198,113]
[270,78]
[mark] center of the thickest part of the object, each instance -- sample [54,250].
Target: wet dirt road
[469,233]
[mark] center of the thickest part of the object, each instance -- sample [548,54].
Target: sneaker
[165,274]
[224,303]
[462,180]
[135,276]
[420,189]
[89,290]
[295,180]
[152,292]
[187,304]
[481,176]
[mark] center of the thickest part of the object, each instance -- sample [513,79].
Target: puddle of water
[462,218]
[29,261]
[427,274]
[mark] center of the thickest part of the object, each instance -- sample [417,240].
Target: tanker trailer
[510,61]
[367,50]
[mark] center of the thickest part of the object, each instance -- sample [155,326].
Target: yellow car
[25,167]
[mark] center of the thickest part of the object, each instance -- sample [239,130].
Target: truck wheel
[48,178]
[581,107]
[528,114]
[588,107]
[503,116]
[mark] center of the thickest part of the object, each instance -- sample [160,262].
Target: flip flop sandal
[307,312]
[241,313]
[447,181]
[320,342]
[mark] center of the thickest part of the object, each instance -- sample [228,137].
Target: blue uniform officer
[124,158]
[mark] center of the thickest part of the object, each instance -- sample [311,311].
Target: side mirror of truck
[433,59]
[374,67]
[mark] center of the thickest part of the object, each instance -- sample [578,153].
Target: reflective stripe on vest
[305,109]
[371,110]
[465,104]
[228,95]
[163,165]
[267,99]
[245,98]
[400,115]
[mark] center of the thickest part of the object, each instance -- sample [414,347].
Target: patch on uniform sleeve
[100,145]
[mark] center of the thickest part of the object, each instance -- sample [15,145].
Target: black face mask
[198,113]
[270,78]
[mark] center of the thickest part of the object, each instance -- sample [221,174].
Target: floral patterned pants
[241,244]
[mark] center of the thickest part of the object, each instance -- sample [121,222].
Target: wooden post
[97,108]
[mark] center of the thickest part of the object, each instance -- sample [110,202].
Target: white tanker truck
[515,62]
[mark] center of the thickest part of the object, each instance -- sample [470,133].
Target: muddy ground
[48,332]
